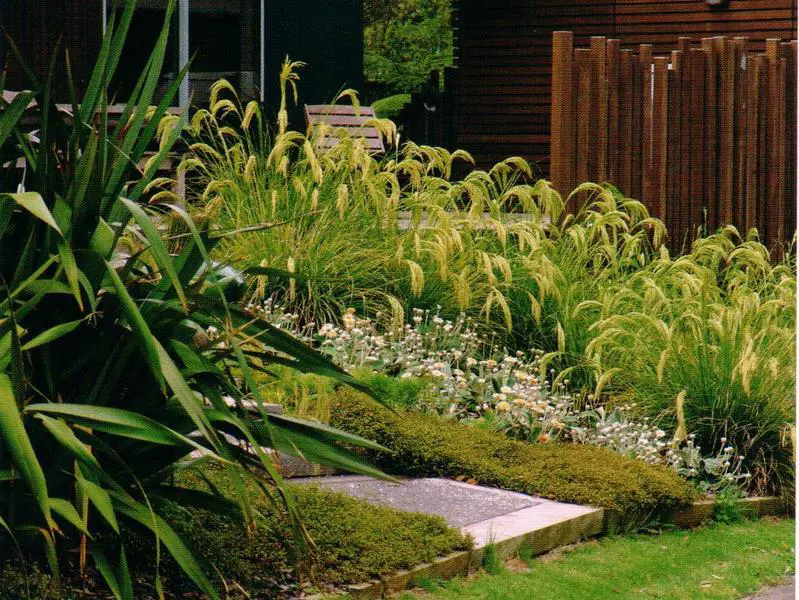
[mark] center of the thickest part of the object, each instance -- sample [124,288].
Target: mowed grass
[721,561]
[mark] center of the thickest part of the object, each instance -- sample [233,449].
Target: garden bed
[530,344]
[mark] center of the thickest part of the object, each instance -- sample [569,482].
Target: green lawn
[722,561]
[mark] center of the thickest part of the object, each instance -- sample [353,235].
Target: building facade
[243,41]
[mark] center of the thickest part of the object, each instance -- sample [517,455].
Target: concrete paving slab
[786,591]
[490,515]
[544,516]
[508,520]
[459,503]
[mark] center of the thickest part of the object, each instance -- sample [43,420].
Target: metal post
[183,49]
[263,49]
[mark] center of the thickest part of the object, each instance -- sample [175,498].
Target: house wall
[326,35]
[504,56]
[36,32]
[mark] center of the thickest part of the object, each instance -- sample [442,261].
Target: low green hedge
[353,542]
[428,445]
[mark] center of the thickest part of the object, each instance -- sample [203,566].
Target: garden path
[489,515]
[785,591]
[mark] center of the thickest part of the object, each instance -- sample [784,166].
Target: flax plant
[122,362]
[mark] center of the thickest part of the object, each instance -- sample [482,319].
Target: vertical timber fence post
[563,119]
[705,137]
[660,106]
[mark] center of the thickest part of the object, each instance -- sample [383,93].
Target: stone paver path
[786,591]
[489,515]
[459,503]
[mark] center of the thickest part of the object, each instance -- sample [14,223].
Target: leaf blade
[20,447]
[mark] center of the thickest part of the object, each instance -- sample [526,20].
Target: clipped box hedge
[353,542]
[428,445]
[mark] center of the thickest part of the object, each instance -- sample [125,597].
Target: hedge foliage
[429,445]
[353,542]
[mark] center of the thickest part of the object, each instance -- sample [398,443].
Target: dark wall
[504,56]
[35,26]
[328,36]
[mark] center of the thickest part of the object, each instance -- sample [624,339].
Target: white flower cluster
[616,429]
[473,381]
[472,378]
[713,472]
[430,345]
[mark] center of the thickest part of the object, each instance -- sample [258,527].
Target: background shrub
[390,107]
[404,40]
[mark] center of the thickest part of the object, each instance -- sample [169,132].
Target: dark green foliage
[405,40]
[390,107]
[491,561]
[728,508]
[353,542]
[429,584]
[17,583]
[525,553]
[426,445]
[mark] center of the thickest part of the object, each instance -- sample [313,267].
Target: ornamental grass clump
[708,340]
[384,234]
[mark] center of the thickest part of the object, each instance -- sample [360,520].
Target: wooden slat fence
[705,136]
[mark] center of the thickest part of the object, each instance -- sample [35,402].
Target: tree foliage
[405,40]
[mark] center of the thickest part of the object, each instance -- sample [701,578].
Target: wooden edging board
[468,561]
[699,512]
